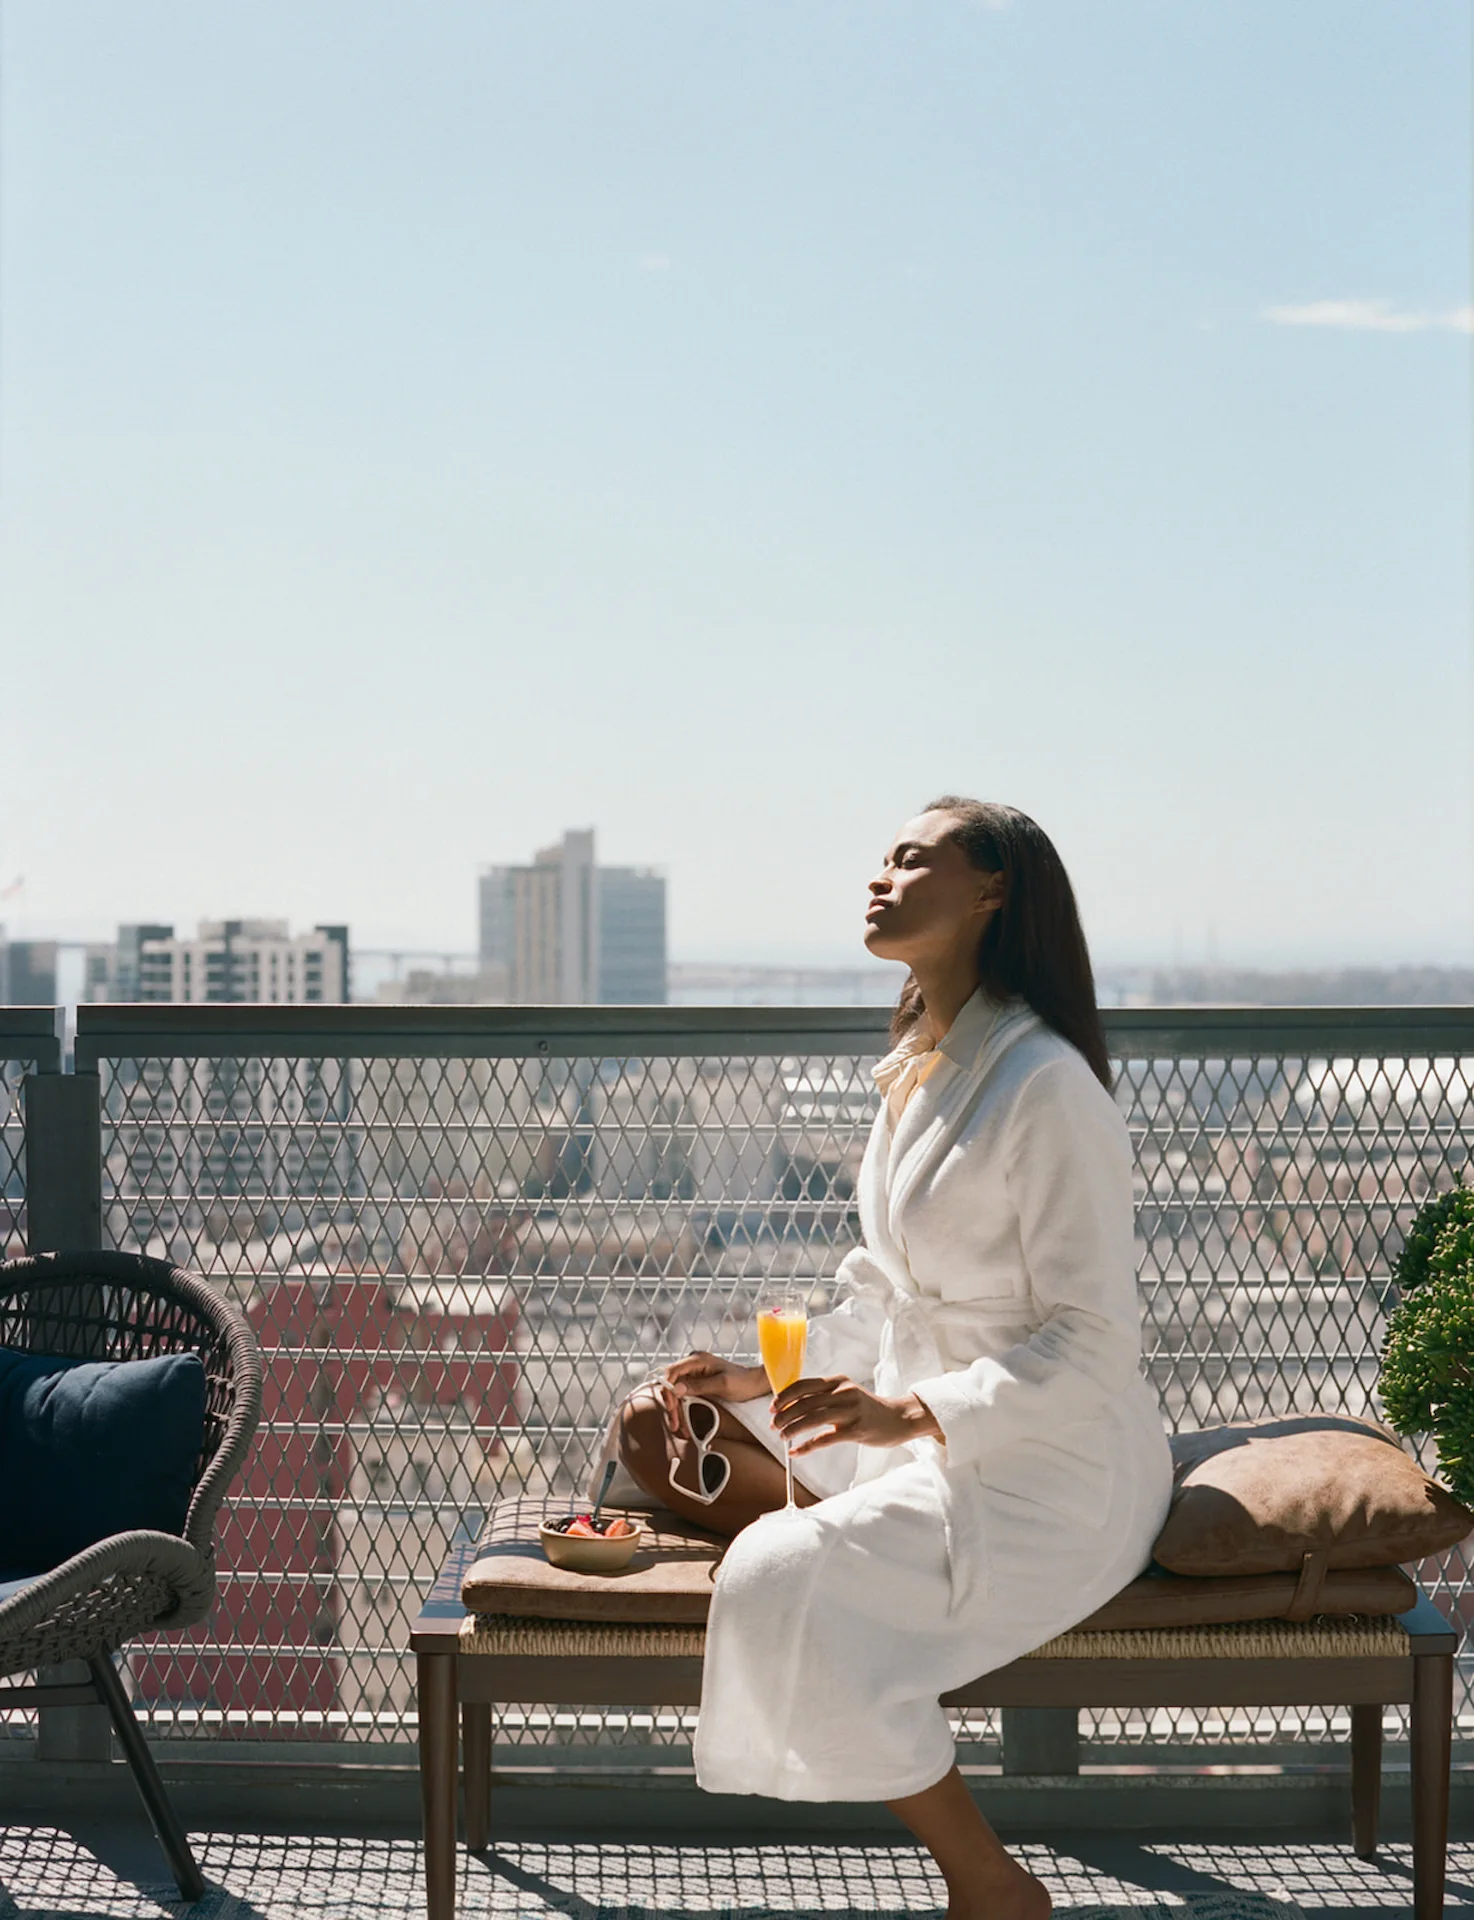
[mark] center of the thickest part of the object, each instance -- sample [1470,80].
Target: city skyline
[62,973]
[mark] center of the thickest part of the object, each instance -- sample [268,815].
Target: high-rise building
[110,969]
[232,961]
[27,972]
[570,932]
[555,924]
[632,969]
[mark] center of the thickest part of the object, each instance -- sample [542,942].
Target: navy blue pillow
[90,1448]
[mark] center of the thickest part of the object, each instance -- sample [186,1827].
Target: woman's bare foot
[1004,1893]
[984,1881]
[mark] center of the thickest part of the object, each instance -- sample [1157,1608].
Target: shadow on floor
[111,1870]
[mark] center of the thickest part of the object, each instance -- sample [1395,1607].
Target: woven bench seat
[512,1638]
[502,1626]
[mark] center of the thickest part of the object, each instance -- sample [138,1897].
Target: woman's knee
[642,1443]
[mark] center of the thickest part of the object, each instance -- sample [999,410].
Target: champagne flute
[782,1331]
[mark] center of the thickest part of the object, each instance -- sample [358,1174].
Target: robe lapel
[875,1204]
[978,1040]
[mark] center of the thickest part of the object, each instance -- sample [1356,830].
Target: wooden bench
[467,1664]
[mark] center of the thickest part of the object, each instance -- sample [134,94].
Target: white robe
[997,1280]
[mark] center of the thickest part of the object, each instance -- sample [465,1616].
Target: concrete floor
[111,1867]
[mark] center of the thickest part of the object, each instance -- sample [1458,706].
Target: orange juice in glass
[782,1331]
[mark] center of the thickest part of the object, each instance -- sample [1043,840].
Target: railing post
[64,1215]
[1041,1740]
[63,1162]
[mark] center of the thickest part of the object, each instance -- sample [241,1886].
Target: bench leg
[476,1772]
[1366,1778]
[436,1688]
[1432,1743]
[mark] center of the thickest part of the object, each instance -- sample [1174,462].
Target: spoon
[604,1486]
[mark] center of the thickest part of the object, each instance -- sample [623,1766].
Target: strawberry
[619,1530]
[583,1529]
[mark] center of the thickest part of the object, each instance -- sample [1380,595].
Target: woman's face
[929,903]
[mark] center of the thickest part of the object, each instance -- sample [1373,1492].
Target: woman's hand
[713,1379]
[849,1413]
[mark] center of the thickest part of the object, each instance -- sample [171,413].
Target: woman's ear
[990,893]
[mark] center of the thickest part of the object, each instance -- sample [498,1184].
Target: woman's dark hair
[1034,945]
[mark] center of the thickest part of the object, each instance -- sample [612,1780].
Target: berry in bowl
[585,1545]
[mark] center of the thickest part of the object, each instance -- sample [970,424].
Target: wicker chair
[122,1306]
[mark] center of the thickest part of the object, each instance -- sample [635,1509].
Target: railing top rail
[153,1031]
[32,1033]
[1234,1032]
[347,1032]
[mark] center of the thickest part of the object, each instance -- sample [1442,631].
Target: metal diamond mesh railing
[12,1158]
[458,1249]
[29,1043]
[19,1055]
[1273,1191]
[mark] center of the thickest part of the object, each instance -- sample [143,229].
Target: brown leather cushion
[1266,1496]
[669,1583]
[1175,1600]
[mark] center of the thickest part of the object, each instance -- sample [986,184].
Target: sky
[728,423]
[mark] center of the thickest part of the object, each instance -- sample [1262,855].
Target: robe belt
[910,1341]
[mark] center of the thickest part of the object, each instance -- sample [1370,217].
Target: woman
[983,1463]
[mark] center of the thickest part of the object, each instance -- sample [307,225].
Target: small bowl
[581,1553]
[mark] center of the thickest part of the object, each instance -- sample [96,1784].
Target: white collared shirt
[904,1069]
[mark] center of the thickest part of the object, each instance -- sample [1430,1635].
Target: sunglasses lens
[711,1473]
[702,1421]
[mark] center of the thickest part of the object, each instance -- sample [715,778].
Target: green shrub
[1427,1383]
[1452,1209]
